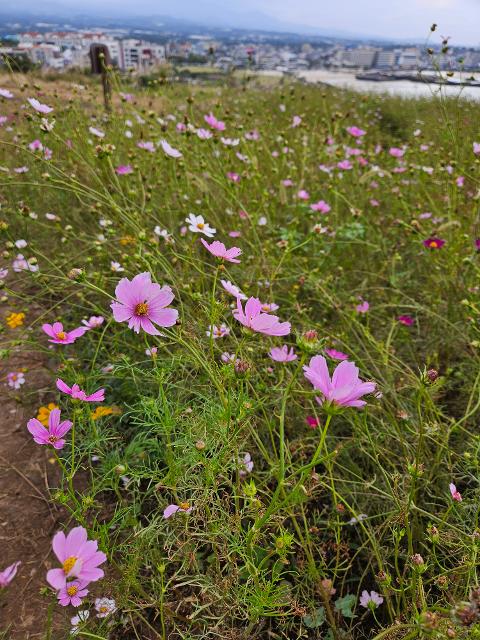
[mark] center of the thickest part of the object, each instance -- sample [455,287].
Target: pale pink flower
[94,322]
[476,148]
[38,106]
[232,289]
[5,93]
[15,379]
[124,169]
[219,250]
[53,434]
[8,574]
[370,600]
[282,354]
[234,177]
[456,495]
[197,224]
[345,165]
[218,332]
[78,394]
[59,336]
[255,319]
[169,150]
[147,146]
[395,152]
[363,307]
[344,388]
[183,507]
[245,464]
[303,195]
[296,121]
[336,355]
[96,132]
[141,302]
[36,145]
[204,134]
[356,132]
[105,607]
[79,558]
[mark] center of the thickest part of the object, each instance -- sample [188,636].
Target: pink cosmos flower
[434,243]
[204,134]
[36,145]
[38,106]
[356,132]
[96,132]
[169,150]
[53,434]
[370,600]
[336,355]
[79,558]
[477,244]
[476,148]
[297,121]
[320,206]
[214,123]
[282,354]
[147,146]
[79,394]
[245,464]
[344,388]
[395,152]
[460,181]
[232,289]
[124,169]
[406,320]
[345,165]
[363,307]
[255,319]
[219,250]
[142,302]
[59,336]
[8,574]
[5,93]
[303,195]
[217,332]
[456,495]
[94,322]
[72,593]
[183,507]
[312,422]
[234,177]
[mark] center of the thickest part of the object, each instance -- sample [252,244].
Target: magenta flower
[344,388]
[219,250]
[79,558]
[434,243]
[79,394]
[321,206]
[124,169]
[8,574]
[345,165]
[72,593]
[456,495]
[255,319]
[336,355]
[282,354]
[140,302]
[356,132]
[406,320]
[183,507]
[312,422]
[214,123]
[477,244]
[234,177]
[59,336]
[395,152]
[363,307]
[53,434]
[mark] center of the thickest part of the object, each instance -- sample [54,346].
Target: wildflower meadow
[242,326]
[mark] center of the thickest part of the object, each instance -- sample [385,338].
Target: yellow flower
[127,240]
[15,320]
[44,413]
[101,412]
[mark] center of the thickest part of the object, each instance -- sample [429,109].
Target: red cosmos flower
[434,243]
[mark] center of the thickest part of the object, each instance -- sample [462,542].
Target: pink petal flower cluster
[255,319]
[53,434]
[79,394]
[344,388]
[141,302]
[80,560]
[321,206]
[59,336]
[212,121]
[219,250]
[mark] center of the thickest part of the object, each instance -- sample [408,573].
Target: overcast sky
[400,19]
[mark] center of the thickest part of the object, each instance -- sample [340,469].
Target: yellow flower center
[14,377]
[434,244]
[141,309]
[69,564]
[72,590]
[200,225]
[184,505]
[103,609]
[61,335]
[53,439]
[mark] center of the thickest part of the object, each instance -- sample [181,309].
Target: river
[406,88]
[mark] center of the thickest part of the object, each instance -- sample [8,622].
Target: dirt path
[28,517]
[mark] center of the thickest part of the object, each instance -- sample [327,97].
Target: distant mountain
[189,15]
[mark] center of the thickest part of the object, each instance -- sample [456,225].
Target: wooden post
[100,63]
